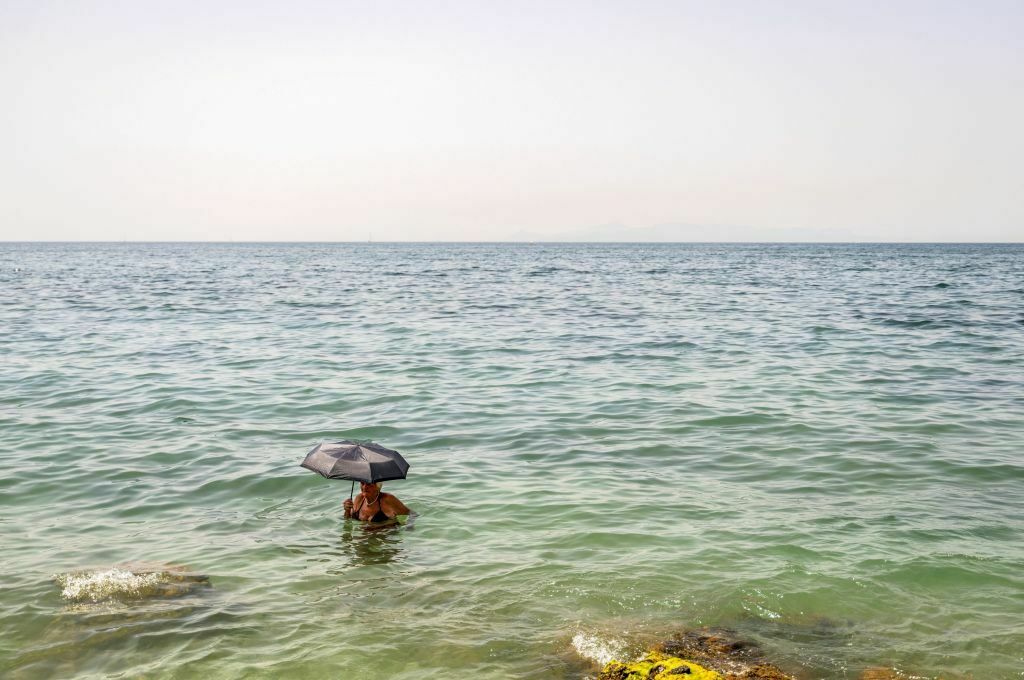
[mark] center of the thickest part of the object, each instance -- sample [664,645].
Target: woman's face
[369,489]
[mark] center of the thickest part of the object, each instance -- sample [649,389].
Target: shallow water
[820,446]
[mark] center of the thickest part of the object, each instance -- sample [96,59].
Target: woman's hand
[347,504]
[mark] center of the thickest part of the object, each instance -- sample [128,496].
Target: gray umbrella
[358,461]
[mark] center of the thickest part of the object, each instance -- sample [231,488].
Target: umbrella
[358,461]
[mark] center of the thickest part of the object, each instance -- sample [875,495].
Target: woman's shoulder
[393,503]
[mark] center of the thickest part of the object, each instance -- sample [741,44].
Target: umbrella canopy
[358,461]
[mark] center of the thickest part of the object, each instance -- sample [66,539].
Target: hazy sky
[478,120]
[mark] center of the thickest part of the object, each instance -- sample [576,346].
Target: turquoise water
[819,446]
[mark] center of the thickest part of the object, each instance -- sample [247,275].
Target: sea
[817,447]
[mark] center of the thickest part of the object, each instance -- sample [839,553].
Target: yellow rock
[657,666]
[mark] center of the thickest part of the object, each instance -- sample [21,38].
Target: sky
[499,121]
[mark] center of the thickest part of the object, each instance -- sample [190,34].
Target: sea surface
[818,446]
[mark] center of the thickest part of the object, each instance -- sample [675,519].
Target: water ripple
[816,445]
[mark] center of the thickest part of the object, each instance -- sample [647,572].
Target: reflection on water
[373,543]
[357,544]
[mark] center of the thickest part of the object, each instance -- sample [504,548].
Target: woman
[373,505]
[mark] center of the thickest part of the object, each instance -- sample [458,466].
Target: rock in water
[704,654]
[713,645]
[879,673]
[657,666]
[129,581]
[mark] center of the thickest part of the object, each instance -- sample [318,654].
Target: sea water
[818,446]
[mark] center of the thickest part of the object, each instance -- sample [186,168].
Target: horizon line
[514,242]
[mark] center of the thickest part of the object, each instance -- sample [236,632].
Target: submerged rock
[704,654]
[879,673]
[714,645]
[129,581]
[707,654]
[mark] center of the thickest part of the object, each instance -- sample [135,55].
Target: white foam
[599,650]
[95,586]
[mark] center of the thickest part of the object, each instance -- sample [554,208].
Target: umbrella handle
[352,490]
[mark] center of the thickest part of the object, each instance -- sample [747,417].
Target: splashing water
[96,586]
[129,581]
[599,650]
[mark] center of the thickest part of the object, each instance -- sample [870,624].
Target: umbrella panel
[357,462]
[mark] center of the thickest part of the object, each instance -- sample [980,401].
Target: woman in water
[373,505]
